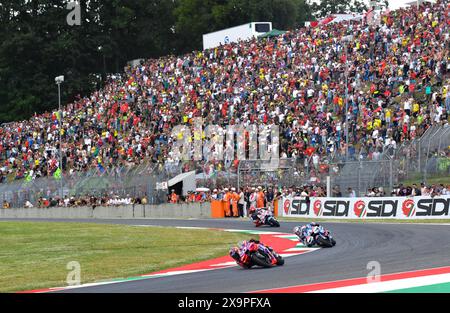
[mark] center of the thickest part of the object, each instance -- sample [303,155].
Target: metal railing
[421,158]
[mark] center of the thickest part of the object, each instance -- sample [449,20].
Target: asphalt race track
[397,247]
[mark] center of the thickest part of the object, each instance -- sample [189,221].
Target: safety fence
[421,158]
[135,182]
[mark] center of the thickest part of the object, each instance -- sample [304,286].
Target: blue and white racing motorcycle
[314,234]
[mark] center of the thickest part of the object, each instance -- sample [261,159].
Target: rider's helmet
[234,253]
[297,230]
[314,224]
[242,244]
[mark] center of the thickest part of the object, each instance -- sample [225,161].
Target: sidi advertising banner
[367,208]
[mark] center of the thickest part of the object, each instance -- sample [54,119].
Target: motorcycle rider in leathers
[241,257]
[304,233]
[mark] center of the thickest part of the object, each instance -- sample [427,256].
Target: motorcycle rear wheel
[261,260]
[327,243]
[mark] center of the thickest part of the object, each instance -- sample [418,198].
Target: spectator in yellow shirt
[416,109]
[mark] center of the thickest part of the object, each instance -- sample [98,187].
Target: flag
[57,174]
[327,20]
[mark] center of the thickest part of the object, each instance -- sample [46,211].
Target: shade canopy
[273,33]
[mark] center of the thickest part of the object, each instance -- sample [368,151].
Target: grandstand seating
[397,80]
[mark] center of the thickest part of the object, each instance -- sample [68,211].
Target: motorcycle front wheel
[274,223]
[280,261]
[261,260]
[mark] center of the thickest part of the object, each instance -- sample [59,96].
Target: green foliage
[36,44]
[327,7]
[197,17]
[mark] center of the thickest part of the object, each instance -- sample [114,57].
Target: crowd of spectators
[192,196]
[245,197]
[87,200]
[421,190]
[399,190]
[397,87]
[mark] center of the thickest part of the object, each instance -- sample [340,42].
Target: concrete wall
[191,210]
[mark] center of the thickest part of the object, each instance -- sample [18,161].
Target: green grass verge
[364,221]
[35,255]
[430,180]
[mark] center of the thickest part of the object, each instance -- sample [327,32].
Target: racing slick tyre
[333,242]
[324,242]
[261,260]
[280,261]
[273,222]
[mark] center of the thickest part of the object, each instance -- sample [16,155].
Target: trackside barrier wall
[191,210]
[218,208]
[367,208]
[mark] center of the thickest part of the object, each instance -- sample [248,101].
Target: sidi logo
[360,208]
[286,206]
[408,208]
[74,16]
[433,207]
[317,207]
[382,208]
[299,207]
[335,208]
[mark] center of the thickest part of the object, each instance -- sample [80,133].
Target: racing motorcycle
[264,217]
[253,253]
[322,237]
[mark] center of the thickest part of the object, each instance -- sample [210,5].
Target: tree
[36,45]
[197,17]
[328,7]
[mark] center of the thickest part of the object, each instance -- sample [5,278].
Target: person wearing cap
[227,206]
[214,195]
[260,198]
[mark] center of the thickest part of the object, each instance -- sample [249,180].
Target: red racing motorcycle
[254,253]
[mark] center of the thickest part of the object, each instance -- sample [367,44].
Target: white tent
[185,182]
[346,17]
[411,3]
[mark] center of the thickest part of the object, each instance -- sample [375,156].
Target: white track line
[404,283]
